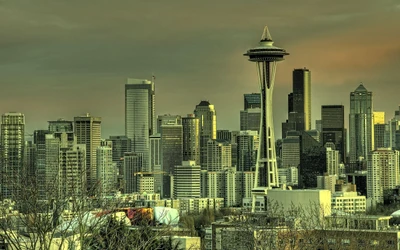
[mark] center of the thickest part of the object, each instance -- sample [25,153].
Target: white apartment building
[348,202]
[332,161]
[106,169]
[382,173]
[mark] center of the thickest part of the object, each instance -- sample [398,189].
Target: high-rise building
[247,145]
[47,163]
[61,125]
[187,180]
[251,114]
[333,131]
[167,119]
[266,56]
[383,173]
[291,151]
[224,134]
[381,130]
[72,168]
[208,128]
[140,121]
[332,160]
[191,138]
[88,132]
[251,101]
[218,155]
[299,103]
[361,126]
[155,161]
[171,151]
[250,119]
[12,153]
[132,165]
[107,170]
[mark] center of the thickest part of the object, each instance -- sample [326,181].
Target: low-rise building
[348,202]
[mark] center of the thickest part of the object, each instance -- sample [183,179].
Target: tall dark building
[312,161]
[332,119]
[250,116]
[299,103]
[191,138]
[361,126]
[252,101]
[61,125]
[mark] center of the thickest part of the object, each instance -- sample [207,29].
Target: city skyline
[55,54]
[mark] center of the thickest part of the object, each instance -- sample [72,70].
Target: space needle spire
[266,56]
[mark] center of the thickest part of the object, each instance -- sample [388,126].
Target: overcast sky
[66,58]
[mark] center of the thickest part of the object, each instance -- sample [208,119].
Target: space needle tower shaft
[266,56]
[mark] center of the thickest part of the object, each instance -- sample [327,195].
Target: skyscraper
[332,119]
[155,161]
[266,56]
[107,170]
[187,180]
[72,171]
[140,116]
[251,114]
[12,153]
[208,128]
[88,132]
[218,155]
[299,103]
[247,145]
[361,125]
[191,138]
[381,131]
[383,173]
[61,125]
[171,151]
[132,166]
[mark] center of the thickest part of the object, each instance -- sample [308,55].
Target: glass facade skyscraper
[139,116]
[208,128]
[361,125]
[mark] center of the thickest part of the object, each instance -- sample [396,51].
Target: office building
[167,119]
[299,103]
[219,155]
[333,131]
[208,128]
[132,167]
[266,56]
[171,151]
[107,170]
[88,132]
[382,173]
[12,153]
[348,202]
[247,145]
[361,126]
[250,119]
[140,121]
[224,135]
[155,162]
[187,180]
[191,138]
[61,125]
[251,101]
[290,153]
[72,167]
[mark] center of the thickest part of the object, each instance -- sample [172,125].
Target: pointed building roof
[266,36]
[361,88]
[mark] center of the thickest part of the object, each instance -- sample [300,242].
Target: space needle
[266,56]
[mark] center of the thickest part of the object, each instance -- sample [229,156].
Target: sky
[65,58]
